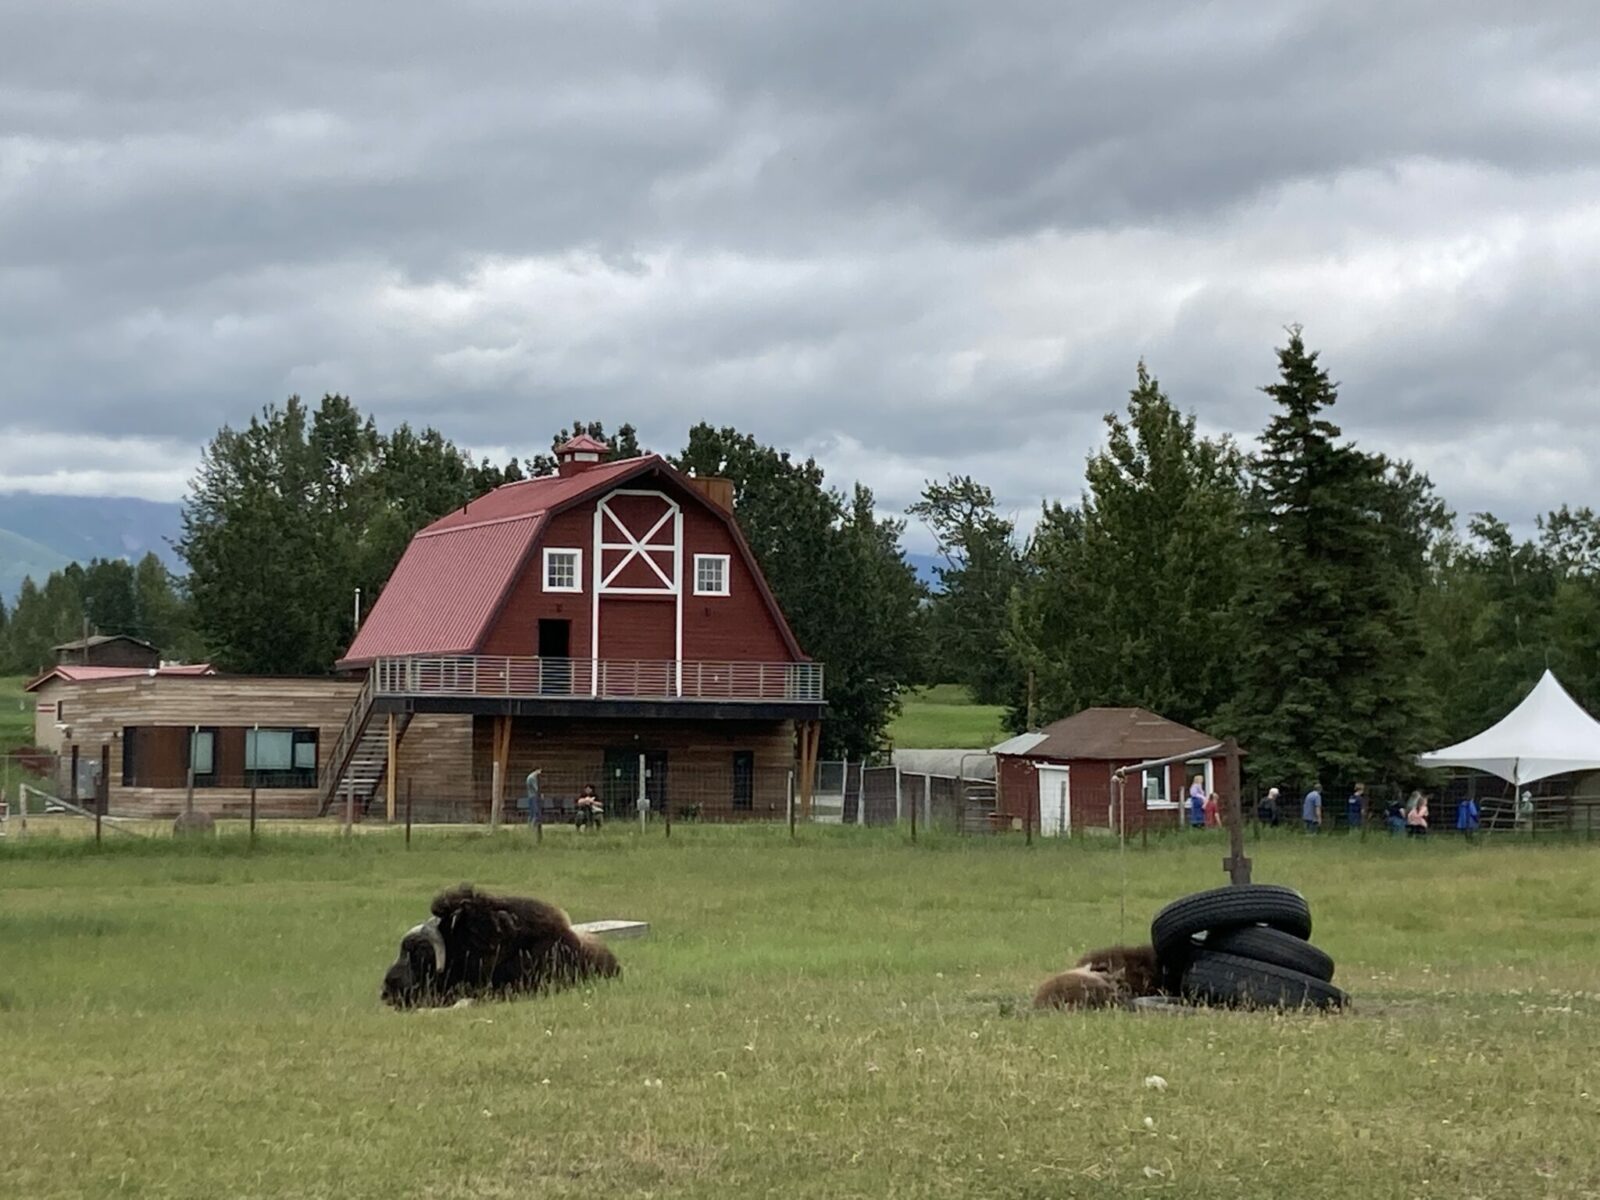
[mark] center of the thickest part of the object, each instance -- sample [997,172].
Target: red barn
[1060,779]
[597,623]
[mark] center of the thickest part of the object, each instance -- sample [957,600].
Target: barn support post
[791,805]
[1236,864]
[502,752]
[643,802]
[389,780]
[408,814]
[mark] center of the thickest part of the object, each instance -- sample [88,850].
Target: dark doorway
[620,789]
[744,780]
[555,656]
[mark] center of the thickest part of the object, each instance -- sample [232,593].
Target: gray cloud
[909,238]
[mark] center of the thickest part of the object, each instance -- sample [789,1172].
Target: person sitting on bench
[589,812]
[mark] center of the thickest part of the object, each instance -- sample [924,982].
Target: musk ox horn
[430,930]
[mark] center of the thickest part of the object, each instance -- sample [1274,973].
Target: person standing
[1395,817]
[1417,815]
[1467,817]
[1268,812]
[532,800]
[1311,808]
[1197,802]
[1356,806]
[1213,811]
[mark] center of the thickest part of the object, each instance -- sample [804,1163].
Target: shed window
[710,574]
[1157,790]
[563,570]
[203,754]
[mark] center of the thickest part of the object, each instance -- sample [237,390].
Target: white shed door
[1055,801]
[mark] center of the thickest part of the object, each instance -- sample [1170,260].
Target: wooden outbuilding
[1061,778]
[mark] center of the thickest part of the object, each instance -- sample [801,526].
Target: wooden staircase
[358,764]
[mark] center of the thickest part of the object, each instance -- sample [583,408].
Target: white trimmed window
[1157,792]
[563,570]
[710,574]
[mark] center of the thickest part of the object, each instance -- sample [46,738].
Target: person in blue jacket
[1467,817]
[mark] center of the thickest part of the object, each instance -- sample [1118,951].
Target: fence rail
[605,678]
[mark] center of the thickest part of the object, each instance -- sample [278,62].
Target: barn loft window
[563,570]
[710,574]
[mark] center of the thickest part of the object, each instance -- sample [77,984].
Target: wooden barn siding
[105,707]
[435,761]
[515,630]
[699,757]
[734,628]
[638,628]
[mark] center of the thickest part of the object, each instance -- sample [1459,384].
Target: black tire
[1225,908]
[1234,982]
[1262,943]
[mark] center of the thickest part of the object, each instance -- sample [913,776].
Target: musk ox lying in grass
[478,945]
[1102,978]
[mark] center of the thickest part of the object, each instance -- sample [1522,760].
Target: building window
[203,756]
[744,780]
[280,758]
[710,574]
[1157,792]
[563,570]
[130,757]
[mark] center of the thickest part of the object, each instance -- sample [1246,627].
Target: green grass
[944,717]
[830,1019]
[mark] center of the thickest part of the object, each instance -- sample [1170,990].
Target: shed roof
[1113,734]
[452,579]
[100,639]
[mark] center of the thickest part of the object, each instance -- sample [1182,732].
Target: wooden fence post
[102,791]
[1236,864]
[252,815]
[408,813]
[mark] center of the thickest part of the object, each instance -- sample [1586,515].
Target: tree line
[1315,600]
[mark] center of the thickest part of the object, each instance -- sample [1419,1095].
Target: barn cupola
[579,454]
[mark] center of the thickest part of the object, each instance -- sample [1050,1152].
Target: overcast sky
[911,238]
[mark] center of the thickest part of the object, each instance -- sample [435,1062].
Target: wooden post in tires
[1236,864]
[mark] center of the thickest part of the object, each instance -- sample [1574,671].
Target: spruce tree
[1328,681]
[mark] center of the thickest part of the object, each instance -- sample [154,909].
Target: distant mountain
[40,534]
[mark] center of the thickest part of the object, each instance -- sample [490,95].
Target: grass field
[944,717]
[833,1019]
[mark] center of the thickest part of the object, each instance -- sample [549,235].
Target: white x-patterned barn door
[638,582]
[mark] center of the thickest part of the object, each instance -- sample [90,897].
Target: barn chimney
[579,454]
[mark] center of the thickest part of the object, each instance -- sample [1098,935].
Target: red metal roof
[77,674]
[1119,735]
[456,572]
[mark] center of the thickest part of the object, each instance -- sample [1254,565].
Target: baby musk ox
[1102,978]
[478,945]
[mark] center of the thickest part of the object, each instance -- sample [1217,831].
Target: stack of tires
[1244,946]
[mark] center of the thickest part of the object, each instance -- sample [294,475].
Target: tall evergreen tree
[1328,681]
[1132,597]
[966,625]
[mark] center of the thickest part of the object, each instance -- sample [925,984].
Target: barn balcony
[578,679]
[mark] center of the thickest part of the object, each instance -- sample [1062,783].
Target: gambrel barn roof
[456,574]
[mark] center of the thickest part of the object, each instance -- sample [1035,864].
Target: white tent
[1547,734]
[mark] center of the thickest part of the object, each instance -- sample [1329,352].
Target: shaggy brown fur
[493,945]
[1133,969]
[1077,988]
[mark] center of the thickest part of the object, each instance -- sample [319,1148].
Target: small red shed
[1060,778]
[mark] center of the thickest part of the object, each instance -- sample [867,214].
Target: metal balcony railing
[601,679]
